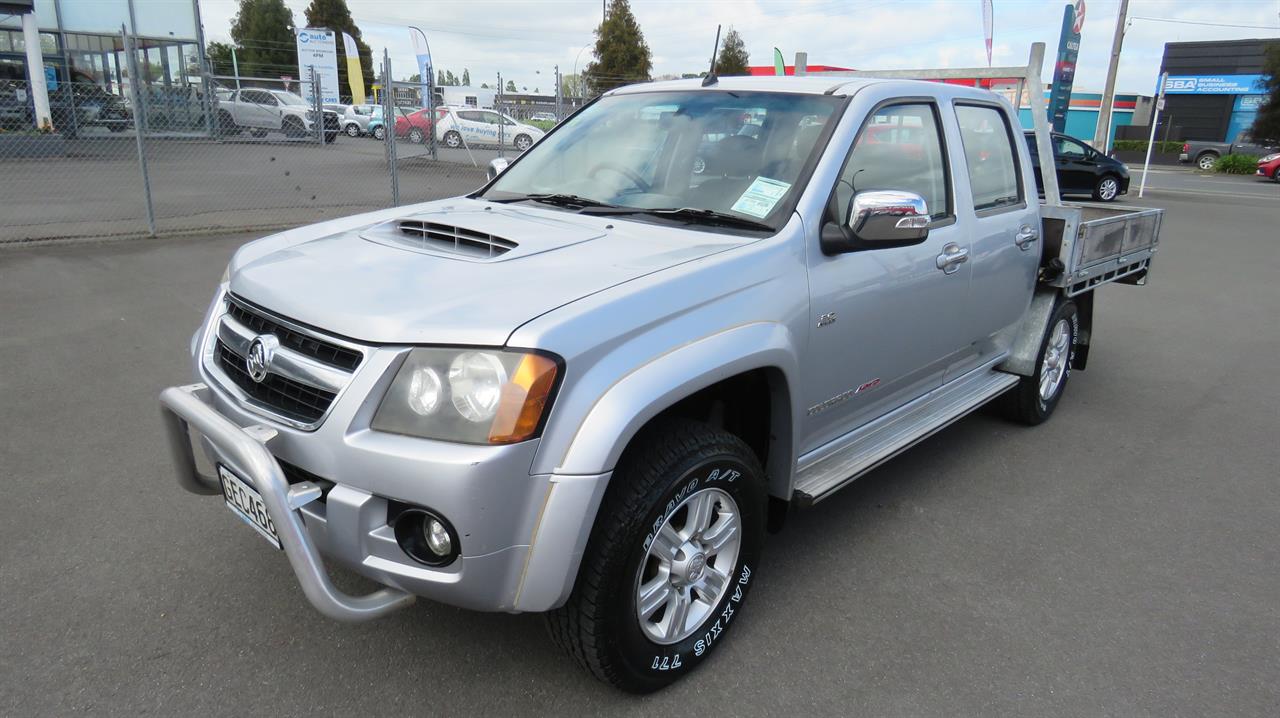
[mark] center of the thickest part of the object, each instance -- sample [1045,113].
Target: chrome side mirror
[497,166]
[879,219]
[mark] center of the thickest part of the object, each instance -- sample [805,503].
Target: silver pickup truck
[592,387]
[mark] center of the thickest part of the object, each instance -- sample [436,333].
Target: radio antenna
[710,79]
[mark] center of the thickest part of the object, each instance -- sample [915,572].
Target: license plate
[247,503]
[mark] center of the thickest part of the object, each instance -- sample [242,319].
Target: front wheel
[1034,398]
[452,139]
[1107,189]
[416,136]
[671,557]
[379,133]
[523,142]
[353,130]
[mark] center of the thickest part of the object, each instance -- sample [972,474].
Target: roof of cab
[808,85]
[818,84]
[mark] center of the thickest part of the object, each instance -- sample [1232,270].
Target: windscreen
[741,153]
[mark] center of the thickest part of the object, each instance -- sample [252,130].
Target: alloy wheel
[1057,355]
[687,567]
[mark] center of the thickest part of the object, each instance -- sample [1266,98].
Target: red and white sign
[1079,23]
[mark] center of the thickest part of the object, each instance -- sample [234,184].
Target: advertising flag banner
[423,53]
[355,77]
[318,49]
[1064,71]
[779,64]
[988,26]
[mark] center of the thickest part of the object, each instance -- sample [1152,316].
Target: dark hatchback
[1082,169]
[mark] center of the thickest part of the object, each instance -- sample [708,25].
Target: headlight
[1269,158]
[474,396]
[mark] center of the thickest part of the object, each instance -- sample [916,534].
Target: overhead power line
[1198,22]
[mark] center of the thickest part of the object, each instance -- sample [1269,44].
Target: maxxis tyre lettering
[598,626]
[1023,402]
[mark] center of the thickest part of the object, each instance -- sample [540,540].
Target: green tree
[511,86]
[265,46]
[1267,124]
[733,58]
[572,85]
[621,55]
[484,86]
[219,54]
[334,15]
[466,77]
[440,78]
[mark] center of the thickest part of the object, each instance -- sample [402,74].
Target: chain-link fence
[232,153]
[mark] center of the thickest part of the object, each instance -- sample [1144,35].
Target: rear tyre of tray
[1034,398]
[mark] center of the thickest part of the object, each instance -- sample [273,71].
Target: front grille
[284,396]
[322,351]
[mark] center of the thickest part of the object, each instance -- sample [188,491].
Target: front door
[887,322]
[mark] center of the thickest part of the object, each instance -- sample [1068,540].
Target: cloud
[525,39]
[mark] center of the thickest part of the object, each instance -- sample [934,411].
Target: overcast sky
[524,39]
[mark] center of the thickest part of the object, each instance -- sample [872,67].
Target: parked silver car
[355,119]
[589,387]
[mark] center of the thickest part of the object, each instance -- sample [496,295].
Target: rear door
[1003,223]
[1077,171]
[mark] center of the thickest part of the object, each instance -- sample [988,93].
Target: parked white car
[472,126]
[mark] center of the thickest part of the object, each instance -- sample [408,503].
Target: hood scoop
[452,239]
[478,236]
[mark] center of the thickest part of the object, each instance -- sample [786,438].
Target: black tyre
[1107,189]
[379,133]
[671,557]
[1207,160]
[416,136]
[330,136]
[226,125]
[523,142]
[1034,398]
[293,127]
[452,139]
[353,130]
[258,133]
[1275,174]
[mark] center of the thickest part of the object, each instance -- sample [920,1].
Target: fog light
[437,537]
[423,535]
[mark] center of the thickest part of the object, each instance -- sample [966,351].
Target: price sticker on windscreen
[760,197]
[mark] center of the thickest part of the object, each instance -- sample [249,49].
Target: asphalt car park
[1119,560]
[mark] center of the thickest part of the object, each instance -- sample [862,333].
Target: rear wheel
[1107,189]
[1207,161]
[1035,397]
[452,139]
[379,133]
[670,559]
[226,124]
[523,142]
[416,136]
[353,130]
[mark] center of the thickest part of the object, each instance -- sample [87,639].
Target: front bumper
[521,535]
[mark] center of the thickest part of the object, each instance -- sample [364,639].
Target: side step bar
[830,468]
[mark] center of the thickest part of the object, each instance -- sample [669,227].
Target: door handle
[1025,237]
[953,255]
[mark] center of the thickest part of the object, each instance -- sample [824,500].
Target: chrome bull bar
[186,408]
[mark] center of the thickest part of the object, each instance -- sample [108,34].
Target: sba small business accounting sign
[1211,84]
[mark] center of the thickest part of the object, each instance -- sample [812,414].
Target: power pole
[1102,134]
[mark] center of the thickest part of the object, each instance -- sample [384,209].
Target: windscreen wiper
[556,198]
[694,214]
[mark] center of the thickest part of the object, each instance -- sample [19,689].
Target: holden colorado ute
[592,387]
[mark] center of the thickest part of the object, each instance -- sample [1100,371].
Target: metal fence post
[316,105]
[502,145]
[389,126]
[139,122]
[559,97]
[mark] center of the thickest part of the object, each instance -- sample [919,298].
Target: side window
[899,147]
[1070,149]
[989,156]
[471,116]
